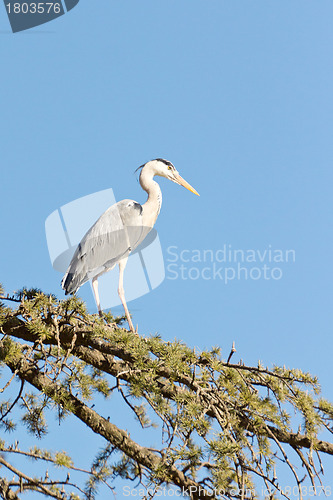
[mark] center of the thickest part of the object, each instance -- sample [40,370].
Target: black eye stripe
[166,162]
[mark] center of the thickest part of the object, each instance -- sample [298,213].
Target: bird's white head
[165,168]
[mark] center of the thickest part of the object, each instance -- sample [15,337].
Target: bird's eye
[169,168]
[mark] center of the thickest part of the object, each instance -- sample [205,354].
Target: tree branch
[101,354]
[117,437]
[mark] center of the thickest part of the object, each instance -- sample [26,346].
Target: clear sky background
[238,95]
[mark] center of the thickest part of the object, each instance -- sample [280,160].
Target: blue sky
[238,95]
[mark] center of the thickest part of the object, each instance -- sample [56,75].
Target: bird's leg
[94,283]
[121,293]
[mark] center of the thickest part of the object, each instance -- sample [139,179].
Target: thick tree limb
[120,439]
[101,354]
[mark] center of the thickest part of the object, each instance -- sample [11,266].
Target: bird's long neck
[152,207]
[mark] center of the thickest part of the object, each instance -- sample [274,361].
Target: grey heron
[118,231]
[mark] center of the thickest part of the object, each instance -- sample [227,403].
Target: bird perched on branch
[118,231]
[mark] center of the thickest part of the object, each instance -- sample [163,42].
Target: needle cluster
[223,428]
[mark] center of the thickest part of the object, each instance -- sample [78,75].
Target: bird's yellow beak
[182,182]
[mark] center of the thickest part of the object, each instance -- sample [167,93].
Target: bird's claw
[135,331]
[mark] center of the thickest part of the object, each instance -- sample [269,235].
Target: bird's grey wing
[131,215]
[111,238]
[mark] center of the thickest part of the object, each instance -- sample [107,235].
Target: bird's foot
[133,330]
